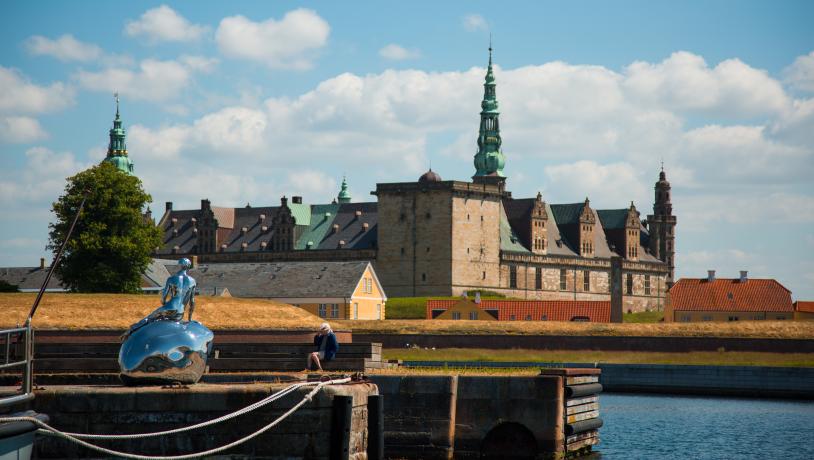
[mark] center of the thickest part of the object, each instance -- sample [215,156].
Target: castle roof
[281,279]
[722,294]
[613,218]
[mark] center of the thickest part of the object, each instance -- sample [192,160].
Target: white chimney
[710,275]
[743,276]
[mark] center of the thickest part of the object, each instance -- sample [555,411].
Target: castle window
[538,278]
[563,281]
[323,310]
[456,315]
[481,218]
[586,280]
[402,251]
[629,284]
[467,250]
[467,217]
[512,276]
[428,249]
[402,217]
[528,317]
[544,318]
[423,277]
[428,215]
[484,275]
[334,310]
[646,284]
[473,315]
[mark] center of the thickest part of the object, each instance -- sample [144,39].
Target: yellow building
[333,290]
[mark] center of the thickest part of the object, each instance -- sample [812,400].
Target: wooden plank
[578,401]
[581,417]
[582,408]
[582,444]
[579,380]
[581,436]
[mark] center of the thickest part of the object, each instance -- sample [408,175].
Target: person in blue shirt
[326,344]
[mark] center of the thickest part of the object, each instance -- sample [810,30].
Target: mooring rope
[51,431]
[223,418]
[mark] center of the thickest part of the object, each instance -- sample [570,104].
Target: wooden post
[375,427]
[340,427]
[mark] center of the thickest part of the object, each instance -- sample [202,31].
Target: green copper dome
[344,195]
[489,160]
[117,148]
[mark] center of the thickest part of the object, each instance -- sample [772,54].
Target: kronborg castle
[444,237]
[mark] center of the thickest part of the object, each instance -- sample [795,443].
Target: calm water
[685,427]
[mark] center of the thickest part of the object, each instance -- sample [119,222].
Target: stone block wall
[475,241]
[119,410]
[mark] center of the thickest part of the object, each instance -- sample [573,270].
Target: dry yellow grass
[756,329]
[117,311]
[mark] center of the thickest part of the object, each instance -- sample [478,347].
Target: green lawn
[416,307]
[717,358]
[643,317]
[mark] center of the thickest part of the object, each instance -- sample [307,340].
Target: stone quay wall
[121,410]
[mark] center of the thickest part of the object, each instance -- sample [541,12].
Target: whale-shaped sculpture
[163,347]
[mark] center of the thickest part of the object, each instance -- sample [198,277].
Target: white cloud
[17,130]
[43,177]
[800,74]
[163,24]
[685,82]
[233,130]
[398,53]
[286,43]
[475,22]
[199,63]
[19,95]
[64,48]
[155,81]
[607,186]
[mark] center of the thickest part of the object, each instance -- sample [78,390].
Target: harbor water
[685,427]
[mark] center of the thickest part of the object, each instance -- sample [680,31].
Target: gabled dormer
[283,237]
[587,226]
[539,223]
[205,229]
[632,229]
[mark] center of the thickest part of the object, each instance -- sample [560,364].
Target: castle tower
[661,225]
[489,160]
[117,148]
[344,195]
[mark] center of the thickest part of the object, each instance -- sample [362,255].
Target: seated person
[326,344]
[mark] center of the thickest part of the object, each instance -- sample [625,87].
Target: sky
[244,102]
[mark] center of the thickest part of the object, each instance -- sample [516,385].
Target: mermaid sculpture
[163,347]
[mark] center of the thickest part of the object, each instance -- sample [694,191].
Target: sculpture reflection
[163,347]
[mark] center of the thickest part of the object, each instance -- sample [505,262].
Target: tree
[111,244]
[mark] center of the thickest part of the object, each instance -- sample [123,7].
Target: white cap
[325,327]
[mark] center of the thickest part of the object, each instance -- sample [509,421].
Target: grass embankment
[643,317]
[416,307]
[710,358]
[119,311]
[743,329]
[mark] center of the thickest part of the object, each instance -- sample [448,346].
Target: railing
[22,339]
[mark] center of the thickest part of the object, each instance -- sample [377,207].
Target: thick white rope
[223,418]
[48,430]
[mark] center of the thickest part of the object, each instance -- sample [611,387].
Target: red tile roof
[804,306]
[537,310]
[699,294]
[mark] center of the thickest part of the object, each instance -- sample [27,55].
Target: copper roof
[721,294]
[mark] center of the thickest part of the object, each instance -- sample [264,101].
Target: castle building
[444,237]
[117,148]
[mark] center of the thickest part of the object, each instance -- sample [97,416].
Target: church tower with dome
[117,148]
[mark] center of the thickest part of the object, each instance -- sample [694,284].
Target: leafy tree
[111,244]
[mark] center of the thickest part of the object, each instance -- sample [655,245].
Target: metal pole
[56,259]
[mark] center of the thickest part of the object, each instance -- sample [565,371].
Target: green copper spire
[117,148]
[344,196]
[489,160]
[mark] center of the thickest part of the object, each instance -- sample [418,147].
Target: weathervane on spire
[116,96]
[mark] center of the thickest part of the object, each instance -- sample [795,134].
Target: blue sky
[246,101]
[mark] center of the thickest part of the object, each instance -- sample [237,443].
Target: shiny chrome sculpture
[163,347]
